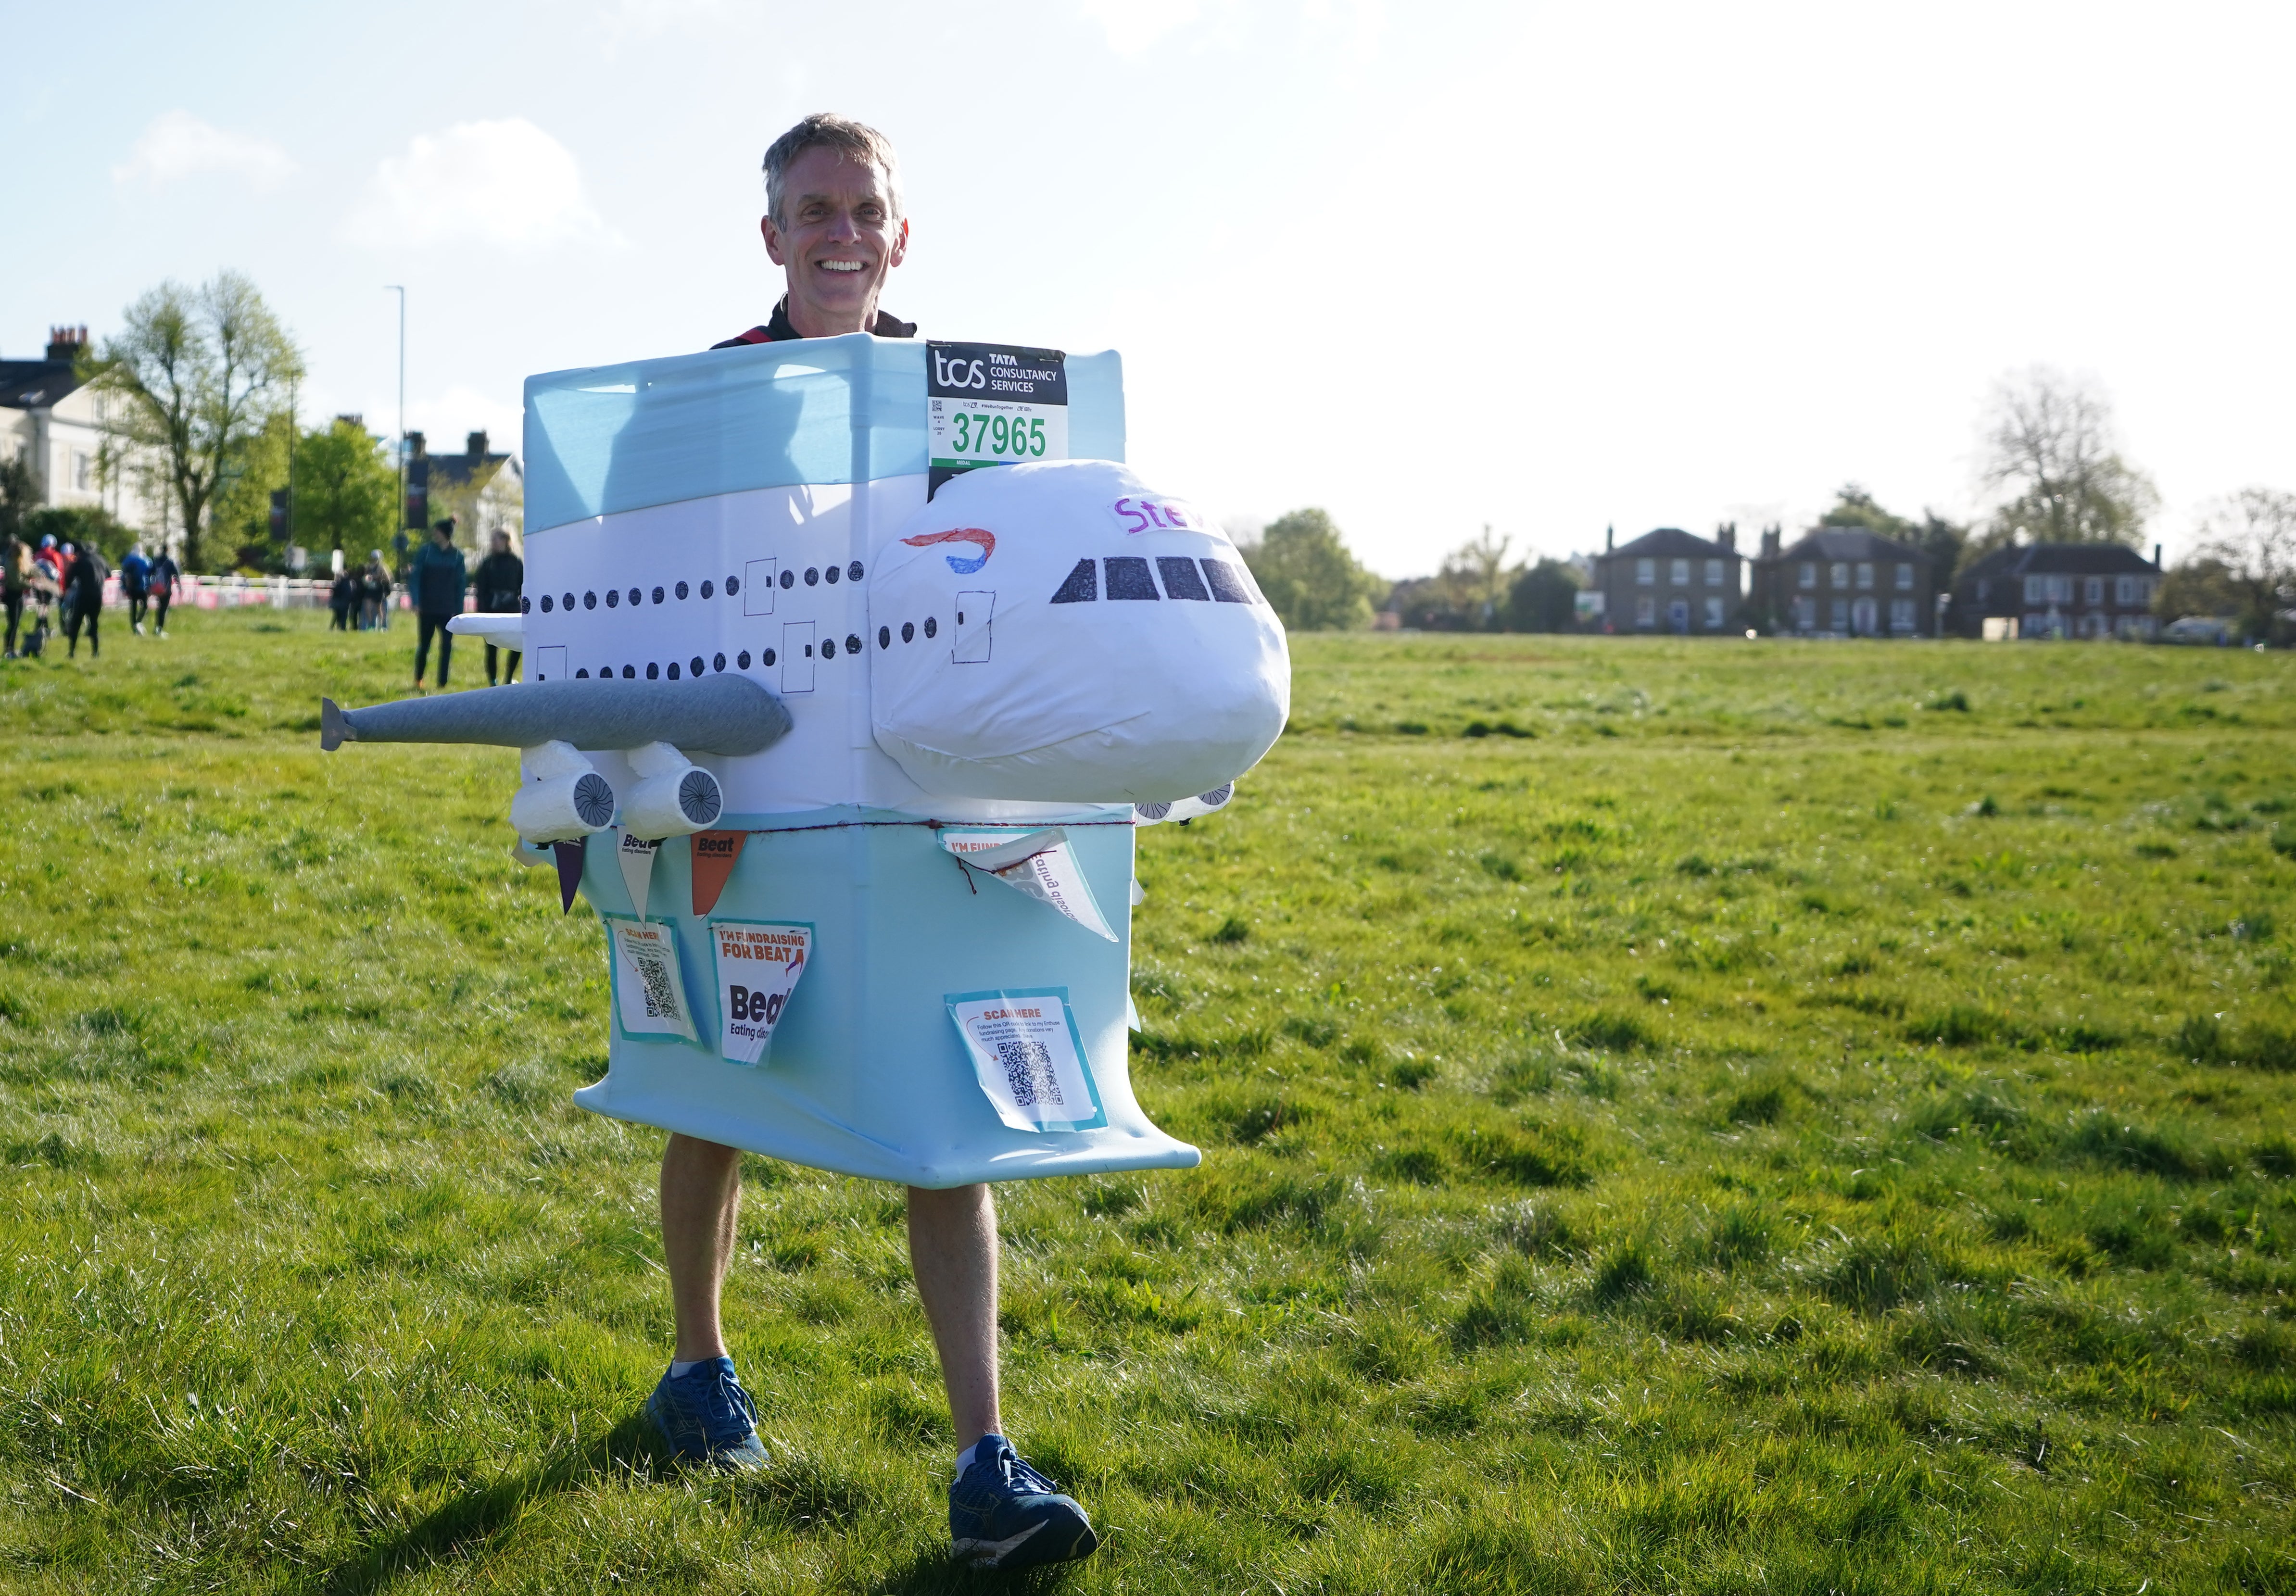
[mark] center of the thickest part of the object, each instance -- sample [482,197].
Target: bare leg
[700,1198]
[952,1253]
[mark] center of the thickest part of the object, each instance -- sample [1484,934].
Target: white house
[55,424]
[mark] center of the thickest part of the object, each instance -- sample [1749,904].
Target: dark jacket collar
[780,331]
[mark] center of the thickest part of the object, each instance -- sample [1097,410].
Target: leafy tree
[239,517]
[1853,506]
[87,526]
[1944,542]
[1481,581]
[1470,593]
[200,371]
[1304,569]
[19,496]
[2201,585]
[1544,597]
[2252,536]
[345,488]
[2049,448]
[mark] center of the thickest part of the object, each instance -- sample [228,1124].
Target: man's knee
[694,1150]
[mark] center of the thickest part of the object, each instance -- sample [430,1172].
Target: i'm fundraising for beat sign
[759,964]
[1029,1059]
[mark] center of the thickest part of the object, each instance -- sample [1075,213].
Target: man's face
[840,239]
[502,542]
[443,536]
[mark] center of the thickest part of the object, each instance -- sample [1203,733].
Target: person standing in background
[341,597]
[136,585]
[374,593]
[500,580]
[437,580]
[15,577]
[84,600]
[165,573]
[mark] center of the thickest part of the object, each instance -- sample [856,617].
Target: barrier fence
[234,593]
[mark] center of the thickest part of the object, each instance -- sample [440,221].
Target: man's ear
[900,249]
[773,244]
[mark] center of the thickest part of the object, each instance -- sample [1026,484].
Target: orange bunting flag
[714,855]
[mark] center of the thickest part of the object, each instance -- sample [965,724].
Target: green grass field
[1677,1116]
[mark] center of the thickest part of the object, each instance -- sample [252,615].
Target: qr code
[661,998]
[1028,1070]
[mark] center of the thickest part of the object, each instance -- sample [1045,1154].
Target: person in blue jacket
[834,225]
[136,585]
[437,580]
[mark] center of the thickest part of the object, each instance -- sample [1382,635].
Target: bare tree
[2050,452]
[1477,579]
[2253,536]
[200,371]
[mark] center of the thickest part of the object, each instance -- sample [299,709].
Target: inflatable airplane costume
[851,775]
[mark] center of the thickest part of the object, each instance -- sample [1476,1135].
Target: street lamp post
[401,291]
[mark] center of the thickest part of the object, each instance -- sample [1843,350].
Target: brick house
[2059,589]
[1844,582]
[1673,581]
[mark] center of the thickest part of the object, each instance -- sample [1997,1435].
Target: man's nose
[843,229]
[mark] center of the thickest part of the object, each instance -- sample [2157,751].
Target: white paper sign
[759,964]
[1038,864]
[635,855]
[648,987]
[1030,1061]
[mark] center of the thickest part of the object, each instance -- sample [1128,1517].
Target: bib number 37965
[993,405]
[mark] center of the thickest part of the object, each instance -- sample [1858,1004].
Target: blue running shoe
[1003,1514]
[707,1418]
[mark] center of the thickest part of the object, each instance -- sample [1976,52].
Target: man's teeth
[842,266]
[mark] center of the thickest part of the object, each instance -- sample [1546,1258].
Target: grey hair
[826,130]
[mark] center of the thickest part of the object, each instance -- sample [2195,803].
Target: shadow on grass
[797,1491]
[463,1526]
[930,1574]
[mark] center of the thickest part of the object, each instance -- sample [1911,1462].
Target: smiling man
[834,225]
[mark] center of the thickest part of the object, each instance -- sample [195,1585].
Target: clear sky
[1547,266]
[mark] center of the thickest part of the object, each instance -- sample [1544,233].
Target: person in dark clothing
[501,578]
[165,573]
[342,596]
[437,579]
[15,578]
[374,592]
[84,600]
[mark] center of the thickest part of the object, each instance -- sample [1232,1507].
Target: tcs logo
[959,373]
[1157,515]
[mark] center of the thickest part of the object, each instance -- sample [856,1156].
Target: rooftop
[2063,560]
[1671,542]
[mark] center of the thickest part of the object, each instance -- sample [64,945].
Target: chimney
[2156,556]
[416,449]
[1610,538]
[65,344]
[1771,538]
[1726,534]
[475,444]
[352,418]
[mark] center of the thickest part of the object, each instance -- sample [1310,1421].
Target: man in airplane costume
[834,225]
